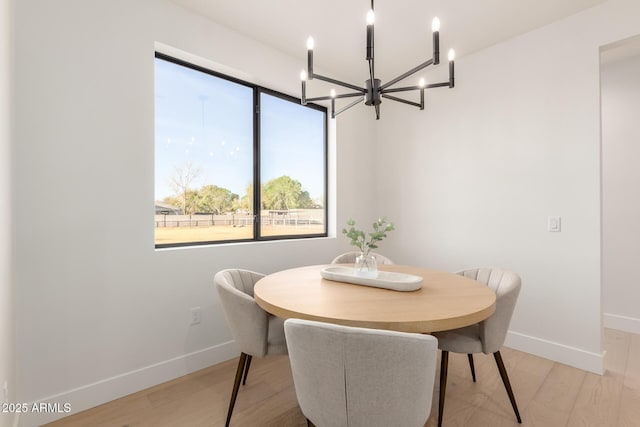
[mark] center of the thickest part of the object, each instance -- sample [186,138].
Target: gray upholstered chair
[350,258]
[350,377]
[485,337]
[256,332]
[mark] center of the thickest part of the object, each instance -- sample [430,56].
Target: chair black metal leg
[444,366]
[507,384]
[473,368]
[236,385]
[246,369]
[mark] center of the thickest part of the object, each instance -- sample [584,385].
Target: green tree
[284,193]
[214,199]
[305,202]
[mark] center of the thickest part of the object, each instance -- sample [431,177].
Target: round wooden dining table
[445,301]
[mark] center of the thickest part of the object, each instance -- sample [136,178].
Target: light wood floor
[548,394]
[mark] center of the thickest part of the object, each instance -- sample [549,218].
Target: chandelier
[374,89]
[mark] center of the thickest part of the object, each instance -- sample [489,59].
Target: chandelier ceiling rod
[374,90]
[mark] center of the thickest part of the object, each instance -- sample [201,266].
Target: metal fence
[268,217]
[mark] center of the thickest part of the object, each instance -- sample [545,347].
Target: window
[217,139]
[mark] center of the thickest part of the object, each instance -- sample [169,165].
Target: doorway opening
[620,178]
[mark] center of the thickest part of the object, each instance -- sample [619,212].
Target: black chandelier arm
[407,74]
[401,89]
[337,82]
[377,107]
[432,85]
[408,88]
[347,95]
[404,101]
[372,69]
[334,113]
[327,97]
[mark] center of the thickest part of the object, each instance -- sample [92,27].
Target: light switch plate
[554,224]
[196,315]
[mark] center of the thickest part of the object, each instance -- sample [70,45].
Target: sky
[208,121]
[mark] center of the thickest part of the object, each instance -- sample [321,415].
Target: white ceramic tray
[385,279]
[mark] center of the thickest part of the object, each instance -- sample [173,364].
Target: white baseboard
[581,359]
[621,323]
[103,391]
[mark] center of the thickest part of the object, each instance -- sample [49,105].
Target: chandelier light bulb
[422,83]
[303,75]
[310,43]
[452,54]
[435,24]
[371,17]
[332,93]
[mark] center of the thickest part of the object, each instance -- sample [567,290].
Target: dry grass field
[174,235]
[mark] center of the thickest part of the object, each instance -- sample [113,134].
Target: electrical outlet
[196,315]
[553,224]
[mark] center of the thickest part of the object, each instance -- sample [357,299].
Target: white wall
[620,201]
[6,280]
[472,179]
[100,313]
